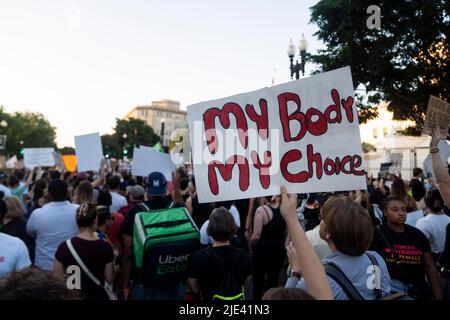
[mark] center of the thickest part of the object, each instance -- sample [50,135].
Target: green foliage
[404,62]
[33,129]
[67,151]
[127,134]
[368,147]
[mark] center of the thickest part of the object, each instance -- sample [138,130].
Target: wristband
[295,275]
[434,149]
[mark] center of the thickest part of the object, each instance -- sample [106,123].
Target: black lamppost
[162,131]
[297,67]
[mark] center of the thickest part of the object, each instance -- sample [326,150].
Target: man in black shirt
[157,199]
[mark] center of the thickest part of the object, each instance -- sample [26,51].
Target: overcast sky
[84,63]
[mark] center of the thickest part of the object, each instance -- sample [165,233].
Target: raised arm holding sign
[303,134]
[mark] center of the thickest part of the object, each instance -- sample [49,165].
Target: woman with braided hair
[95,254]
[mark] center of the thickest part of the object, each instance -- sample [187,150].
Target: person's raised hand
[288,205]
[435,137]
[292,257]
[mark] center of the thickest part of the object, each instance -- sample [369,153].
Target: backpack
[335,273]
[230,287]
[162,242]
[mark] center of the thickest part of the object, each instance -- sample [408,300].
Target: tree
[368,147]
[67,151]
[32,129]
[110,146]
[403,62]
[127,134]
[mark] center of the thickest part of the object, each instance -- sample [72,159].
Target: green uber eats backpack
[162,241]
[230,287]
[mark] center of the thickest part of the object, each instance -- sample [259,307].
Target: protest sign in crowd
[274,204]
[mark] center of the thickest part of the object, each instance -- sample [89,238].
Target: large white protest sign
[89,152]
[35,157]
[147,160]
[303,134]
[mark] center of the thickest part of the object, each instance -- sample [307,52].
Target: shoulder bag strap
[334,272]
[145,206]
[81,263]
[106,286]
[377,287]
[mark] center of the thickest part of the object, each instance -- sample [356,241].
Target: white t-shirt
[413,217]
[13,255]
[205,239]
[118,202]
[6,190]
[319,245]
[434,227]
[52,224]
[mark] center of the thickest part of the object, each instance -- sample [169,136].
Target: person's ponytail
[86,214]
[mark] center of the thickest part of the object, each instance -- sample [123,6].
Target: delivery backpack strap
[335,273]
[229,280]
[147,208]
[104,285]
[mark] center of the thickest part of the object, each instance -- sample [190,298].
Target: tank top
[275,229]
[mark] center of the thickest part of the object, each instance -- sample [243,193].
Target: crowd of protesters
[390,241]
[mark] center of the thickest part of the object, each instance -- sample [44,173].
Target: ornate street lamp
[297,67]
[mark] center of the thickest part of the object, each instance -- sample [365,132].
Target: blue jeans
[138,292]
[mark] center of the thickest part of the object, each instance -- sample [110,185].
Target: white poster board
[147,160]
[303,134]
[89,152]
[35,157]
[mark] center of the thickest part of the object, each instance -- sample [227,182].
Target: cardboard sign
[147,160]
[303,134]
[438,114]
[35,157]
[88,149]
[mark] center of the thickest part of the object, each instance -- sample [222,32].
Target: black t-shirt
[410,245]
[205,268]
[95,254]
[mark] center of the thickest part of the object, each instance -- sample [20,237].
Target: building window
[385,132]
[375,133]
